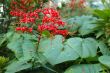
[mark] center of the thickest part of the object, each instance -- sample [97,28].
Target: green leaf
[57,52]
[99,34]
[103,1]
[13,36]
[54,51]
[2,40]
[29,50]
[84,68]
[103,48]
[103,14]
[5,37]
[83,47]
[87,25]
[29,36]
[15,46]
[84,24]
[46,33]
[105,60]
[72,24]
[25,52]
[16,66]
[9,35]
[51,48]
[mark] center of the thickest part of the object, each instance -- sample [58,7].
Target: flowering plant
[42,39]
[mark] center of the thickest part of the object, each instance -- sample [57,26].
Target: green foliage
[106,3]
[83,24]
[76,54]
[25,52]
[103,23]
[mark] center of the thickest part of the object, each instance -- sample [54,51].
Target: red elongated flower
[18,29]
[38,10]
[30,30]
[27,20]
[50,11]
[60,23]
[24,29]
[62,32]
[44,27]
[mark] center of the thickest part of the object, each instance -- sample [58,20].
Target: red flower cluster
[24,29]
[51,19]
[51,22]
[24,10]
[26,17]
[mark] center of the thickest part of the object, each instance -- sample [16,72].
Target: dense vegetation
[45,36]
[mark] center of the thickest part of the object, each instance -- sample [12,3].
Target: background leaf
[84,24]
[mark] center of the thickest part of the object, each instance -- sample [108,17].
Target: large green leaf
[52,48]
[15,45]
[83,47]
[84,68]
[22,45]
[105,60]
[25,52]
[84,24]
[16,66]
[56,52]
[87,25]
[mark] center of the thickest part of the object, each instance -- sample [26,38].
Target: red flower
[18,28]
[60,23]
[30,30]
